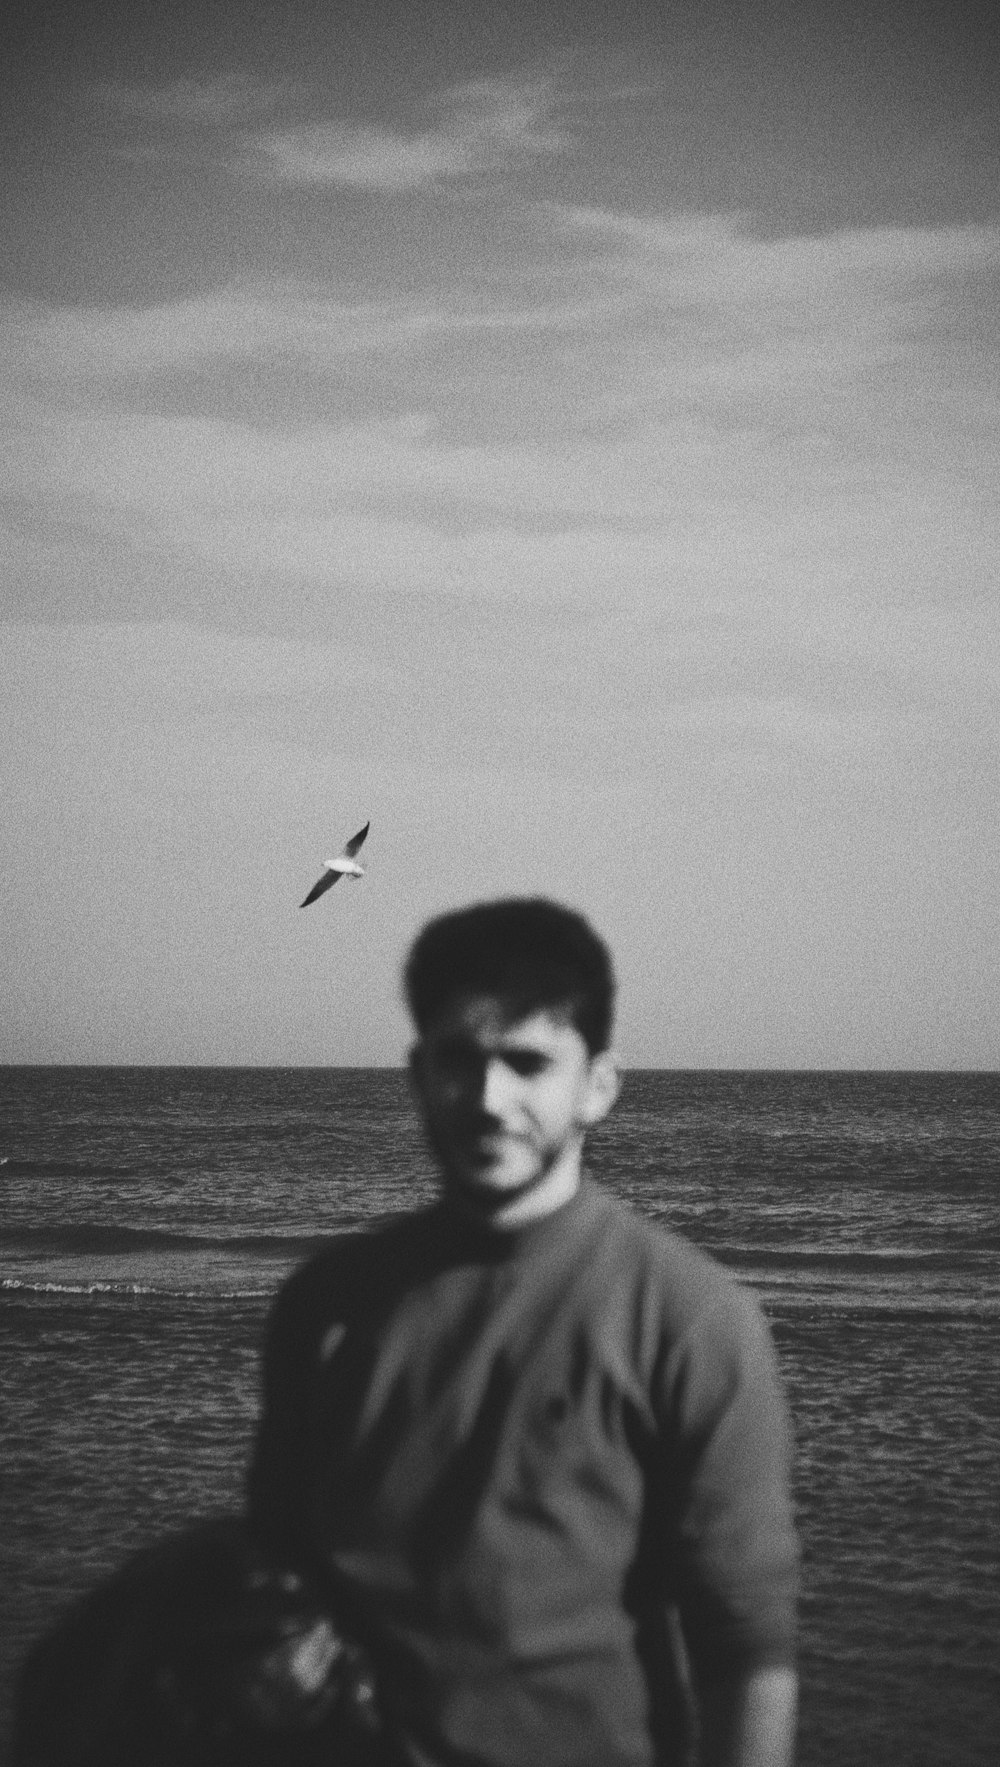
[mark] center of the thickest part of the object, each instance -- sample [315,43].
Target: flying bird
[345,865]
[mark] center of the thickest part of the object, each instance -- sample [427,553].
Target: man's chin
[489,1178]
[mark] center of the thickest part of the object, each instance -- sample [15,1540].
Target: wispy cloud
[653,412]
[87,343]
[485,125]
[204,102]
[722,262]
[53,344]
[713,306]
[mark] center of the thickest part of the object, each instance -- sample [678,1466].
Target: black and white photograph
[500,831]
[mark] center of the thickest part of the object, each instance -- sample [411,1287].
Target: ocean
[147,1216]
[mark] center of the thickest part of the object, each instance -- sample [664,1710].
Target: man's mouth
[491,1145]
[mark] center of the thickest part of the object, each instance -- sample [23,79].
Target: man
[535,1445]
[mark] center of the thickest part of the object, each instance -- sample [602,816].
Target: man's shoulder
[686,1281]
[652,1242]
[700,1335]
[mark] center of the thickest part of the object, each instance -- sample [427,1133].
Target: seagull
[345,865]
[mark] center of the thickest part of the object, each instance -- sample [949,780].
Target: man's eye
[525,1062]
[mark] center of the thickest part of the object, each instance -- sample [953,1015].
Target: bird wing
[326,882]
[355,842]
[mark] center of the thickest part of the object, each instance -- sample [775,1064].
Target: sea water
[147,1216]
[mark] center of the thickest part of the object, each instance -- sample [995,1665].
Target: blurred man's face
[507,1101]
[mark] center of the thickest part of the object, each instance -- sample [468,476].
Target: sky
[566,437]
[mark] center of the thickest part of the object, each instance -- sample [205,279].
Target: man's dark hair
[528,952]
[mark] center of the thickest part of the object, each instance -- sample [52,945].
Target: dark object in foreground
[200,1652]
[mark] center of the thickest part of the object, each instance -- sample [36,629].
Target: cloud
[854,288]
[368,159]
[656,414]
[602,320]
[761,266]
[485,125]
[81,344]
[201,102]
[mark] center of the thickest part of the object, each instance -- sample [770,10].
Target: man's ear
[603,1086]
[415,1065]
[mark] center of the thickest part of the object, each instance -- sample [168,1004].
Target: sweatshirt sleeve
[737,1555]
[276,1485]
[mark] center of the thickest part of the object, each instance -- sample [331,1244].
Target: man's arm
[749,1720]
[274,1485]
[738,1548]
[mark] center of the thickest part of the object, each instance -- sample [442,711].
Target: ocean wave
[890,1260]
[781,1302]
[973,1311]
[109,1238]
[12,1167]
[134,1290]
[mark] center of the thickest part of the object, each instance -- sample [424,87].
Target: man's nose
[495,1089]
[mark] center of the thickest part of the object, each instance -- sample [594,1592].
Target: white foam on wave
[16,1283]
